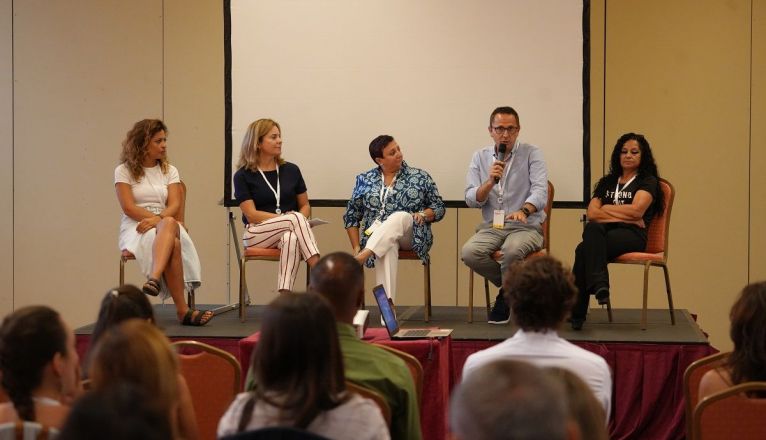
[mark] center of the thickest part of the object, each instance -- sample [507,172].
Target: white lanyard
[384,190]
[279,188]
[506,170]
[617,188]
[157,192]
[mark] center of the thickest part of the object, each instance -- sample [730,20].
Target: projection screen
[337,73]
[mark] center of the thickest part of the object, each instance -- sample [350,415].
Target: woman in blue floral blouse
[392,207]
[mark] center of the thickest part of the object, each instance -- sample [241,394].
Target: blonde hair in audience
[584,408]
[138,353]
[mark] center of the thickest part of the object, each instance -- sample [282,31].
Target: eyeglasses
[501,130]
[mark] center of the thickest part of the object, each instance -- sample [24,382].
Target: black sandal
[152,287]
[195,321]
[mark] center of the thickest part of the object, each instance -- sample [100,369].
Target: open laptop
[392,325]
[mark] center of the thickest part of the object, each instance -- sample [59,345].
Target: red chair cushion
[408,255]
[126,254]
[640,256]
[262,252]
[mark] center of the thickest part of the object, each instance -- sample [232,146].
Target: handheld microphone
[501,155]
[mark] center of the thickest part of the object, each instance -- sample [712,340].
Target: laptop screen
[385,309]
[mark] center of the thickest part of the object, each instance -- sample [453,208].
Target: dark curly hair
[747,362]
[540,291]
[29,339]
[647,167]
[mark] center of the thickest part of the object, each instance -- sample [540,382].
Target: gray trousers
[516,240]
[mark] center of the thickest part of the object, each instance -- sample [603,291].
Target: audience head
[136,144]
[340,279]
[298,357]
[378,145]
[509,400]
[120,304]
[37,352]
[584,409]
[540,291]
[251,143]
[138,353]
[118,412]
[747,362]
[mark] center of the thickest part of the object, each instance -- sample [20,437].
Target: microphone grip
[501,155]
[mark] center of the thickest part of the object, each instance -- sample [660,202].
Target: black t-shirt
[606,186]
[249,185]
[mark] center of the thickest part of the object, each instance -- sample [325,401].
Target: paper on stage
[314,222]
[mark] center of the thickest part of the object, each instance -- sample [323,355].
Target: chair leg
[647,265]
[470,295]
[190,298]
[670,295]
[486,296]
[609,309]
[242,285]
[308,276]
[427,290]
[122,271]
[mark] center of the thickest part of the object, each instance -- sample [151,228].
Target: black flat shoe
[602,296]
[577,324]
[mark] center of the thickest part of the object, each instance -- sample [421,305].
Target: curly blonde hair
[249,154]
[135,145]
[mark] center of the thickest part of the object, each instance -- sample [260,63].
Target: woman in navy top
[275,205]
[623,204]
[391,208]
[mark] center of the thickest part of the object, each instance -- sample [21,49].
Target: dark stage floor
[626,327]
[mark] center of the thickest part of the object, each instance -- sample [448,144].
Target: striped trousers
[292,234]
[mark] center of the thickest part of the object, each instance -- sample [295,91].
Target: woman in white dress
[149,191]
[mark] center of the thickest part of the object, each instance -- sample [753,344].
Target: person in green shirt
[340,279]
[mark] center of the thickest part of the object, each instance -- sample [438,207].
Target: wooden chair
[213,377]
[730,414]
[498,255]
[692,377]
[257,254]
[411,255]
[126,255]
[656,253]
[375,397]
[413,364]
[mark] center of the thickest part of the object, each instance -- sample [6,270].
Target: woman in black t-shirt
[275,204]
[623,204]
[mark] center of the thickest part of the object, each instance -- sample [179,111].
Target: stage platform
[647,365]
[625,328]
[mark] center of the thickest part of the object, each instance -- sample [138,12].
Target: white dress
[151,193]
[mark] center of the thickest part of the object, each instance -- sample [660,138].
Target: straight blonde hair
[250,152]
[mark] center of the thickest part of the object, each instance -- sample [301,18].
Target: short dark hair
[29,339]
[298,356]
[119,412]
[378,145]
[747,362]
[338,277]
[541,292]
[509,399]
[504,111]
[118,305]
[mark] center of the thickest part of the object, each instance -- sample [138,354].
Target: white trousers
[292,234]
[393,234]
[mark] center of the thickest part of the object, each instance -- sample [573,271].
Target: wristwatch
[525,211]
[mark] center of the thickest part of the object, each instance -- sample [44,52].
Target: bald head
[340,279]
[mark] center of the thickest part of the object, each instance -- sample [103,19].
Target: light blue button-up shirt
[525,182]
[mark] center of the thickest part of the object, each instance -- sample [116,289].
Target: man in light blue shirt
[512,190]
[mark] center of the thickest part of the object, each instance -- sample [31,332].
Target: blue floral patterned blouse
[414,191]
